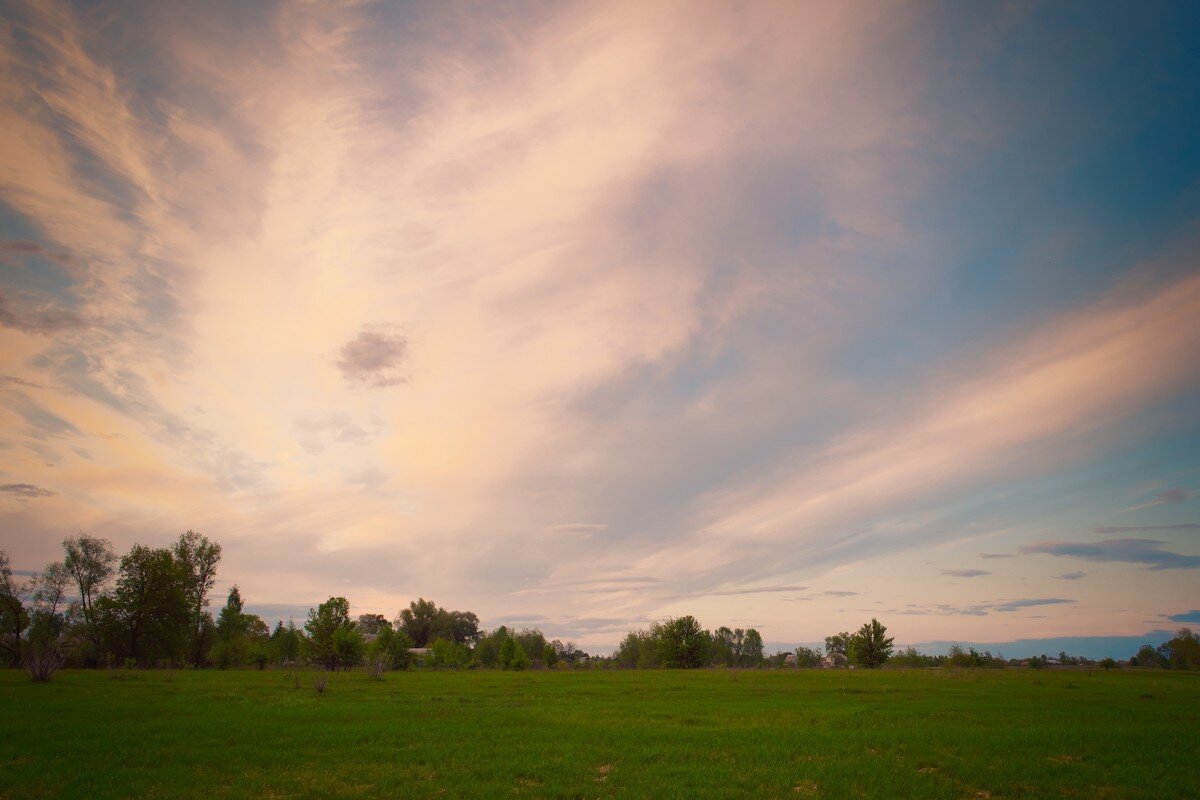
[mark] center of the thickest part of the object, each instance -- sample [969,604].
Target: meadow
[934,733]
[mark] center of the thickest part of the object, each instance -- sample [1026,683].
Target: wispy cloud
[1186,616]
[1178,494]
[25,490]
[966,573]
[1134,551]
[1071,576]
[996,555]
[660,265]
[1131,529]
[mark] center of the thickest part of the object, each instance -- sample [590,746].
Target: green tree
[549,656]
[1147,656]
[425,621]
[14,616]
[149,605]
[394,647]
[520,660]
[682,643]
[508,651]
[372,624]
[487,651]
[532,641]
[349,647]
[199,558]
[751,654]
[323,622]
[870,646]
[838,643]
[285,642]
[1183,651]
[807,658]
[90,562]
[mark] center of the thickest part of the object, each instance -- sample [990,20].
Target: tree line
[150,607]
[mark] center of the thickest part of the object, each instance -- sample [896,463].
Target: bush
[320,682]
[42,660]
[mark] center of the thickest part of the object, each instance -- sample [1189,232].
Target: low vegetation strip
[935,733]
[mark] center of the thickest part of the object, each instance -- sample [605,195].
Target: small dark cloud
[996,555]
[41,320]
[965,573]
[839,594]
[1187,616]
[375,357]
[1071,576]
[25,490]
[1187,526]
[20,246]
[1176,495]
[26,247]
[1133,551]
[1014,605]
[13,379]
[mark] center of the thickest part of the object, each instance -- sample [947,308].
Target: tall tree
[90,562]
[323,624]
[837,644]
[232,631]
[199,558]
[752,648]
[682,643]
[14,617]
[418,621]
[150,604]
[48,621]
[870,646]
[424,621]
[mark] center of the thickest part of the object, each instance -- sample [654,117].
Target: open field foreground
[711,733]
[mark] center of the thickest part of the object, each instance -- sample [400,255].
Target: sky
[584,315]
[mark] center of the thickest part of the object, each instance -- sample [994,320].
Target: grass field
[927,734]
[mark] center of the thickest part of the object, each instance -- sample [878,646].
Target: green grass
[713,733]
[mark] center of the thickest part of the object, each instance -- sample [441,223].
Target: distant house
[834,660]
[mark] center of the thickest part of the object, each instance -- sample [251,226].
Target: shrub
[320,682]
[42,660]
[376,665]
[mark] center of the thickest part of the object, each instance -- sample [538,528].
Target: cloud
[1134,551]
[376,356]
[965,573]
[1176,495]
[1015,605]
[26,247]
[996,555]
[25,490]
[1071,576]
[757,590]
[978,609]
[1129,529]
[836,593]
[1187,616]
[44,320]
